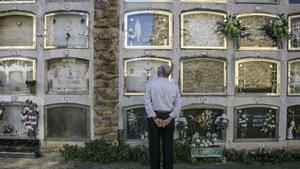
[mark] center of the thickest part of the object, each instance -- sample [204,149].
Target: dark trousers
[166,134]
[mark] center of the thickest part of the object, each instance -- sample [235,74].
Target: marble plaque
[14,73]
[294,77]
[66,30]
[258,1]
[202,120]
[293,123]
[203,76]
[198,30]
[68,75]
[67,122]
[257,40]
[17,30]
[256,122]
[294,26]
[148,30]
[294,1]
[137,124]
[139,71]
[257,76]
[17,1]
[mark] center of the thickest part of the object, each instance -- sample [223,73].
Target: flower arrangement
[181,124]
[232,28]
[221,122]
[243,124]
[198,142]
[269,123]
[29,117]
[204,119]
[7,129]
[31,85]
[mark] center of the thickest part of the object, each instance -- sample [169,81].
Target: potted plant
[277,29]
[31,85]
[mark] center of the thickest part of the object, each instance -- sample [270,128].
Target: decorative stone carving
[294,77]
[203,76]
[148,30]
[198,30]
[294,26]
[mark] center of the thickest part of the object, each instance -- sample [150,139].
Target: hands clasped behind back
[162,123]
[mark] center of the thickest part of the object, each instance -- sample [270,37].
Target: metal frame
[257,48]
[183,28]
[264,2]
[66,13]
[236,108]
[4,14]
[244,60]
[289,77]
[22,59]
[290,29]
[169,14]
[17,2]
[126,61]
[46,107]
[203,58]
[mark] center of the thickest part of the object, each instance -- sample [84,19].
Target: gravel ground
[53,161]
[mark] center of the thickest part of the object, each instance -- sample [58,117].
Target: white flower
[197,140]
[193,145]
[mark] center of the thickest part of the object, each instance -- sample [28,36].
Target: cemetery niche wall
[294,1]
[294,77]
[67,122]
[258,1]
[198,30]
[17,1]
[66,30]
[14,72]
[255,76]
[67,76]
[293,123]
[201,119]
[203,76]
[136,125]
[256,123]
[17,30]
[257,40]
[294,28]
[148,30]
[139,71]
[148,0]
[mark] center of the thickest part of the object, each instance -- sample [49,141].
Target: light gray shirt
[161,94]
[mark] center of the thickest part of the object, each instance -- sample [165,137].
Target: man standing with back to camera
[163,105]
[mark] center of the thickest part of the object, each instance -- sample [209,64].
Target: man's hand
[167,121]
[158,122]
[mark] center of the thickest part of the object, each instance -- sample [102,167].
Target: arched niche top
[257,76]
[293,77]
[294,29]
[148,29]
[67,76]
[66,29]
[198,30]
[203,106]
[258,40]
[14,72]
[203,76]
[138,71]
[16,1]
[18,30]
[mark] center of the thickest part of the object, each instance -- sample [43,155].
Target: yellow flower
[115,143]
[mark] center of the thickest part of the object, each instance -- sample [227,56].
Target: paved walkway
[53,161]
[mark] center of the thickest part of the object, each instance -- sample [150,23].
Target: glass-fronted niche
[198,30]
[201,119]
[14,72]
[16,1]
[139,71]
[148,0]
[136,123]
[68,76]
[66,30]
[67,0]
[294,1]
[67,122]
[254,76]
[293,123]
[257,40]
[294,28]
[294,77]
[258,1]
[203,76]
[256,123]
[148,30]
[17,30]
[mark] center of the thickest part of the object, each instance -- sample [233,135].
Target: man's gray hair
[164,70]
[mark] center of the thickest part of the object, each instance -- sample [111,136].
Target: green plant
[182,152]
[221,122]
[231,27]
[269,123]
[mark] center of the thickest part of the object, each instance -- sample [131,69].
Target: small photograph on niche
[139,71]
[294,77]
[257,39]
[258,1]
[294,26]
[204,120]
[256,122]
[148,30]
[137,124]
[66,30]
[14,72]
[203,76]
[257,76]
[293,123]
[68,75]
